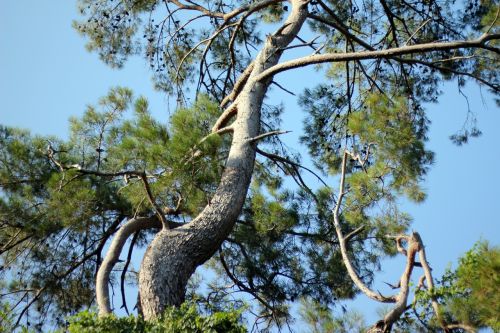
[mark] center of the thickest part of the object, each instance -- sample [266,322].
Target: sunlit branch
[112,256]
[238,86]
[430,283]
[343,244]
[388,53]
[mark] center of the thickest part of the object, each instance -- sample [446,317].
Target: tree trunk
[173,255]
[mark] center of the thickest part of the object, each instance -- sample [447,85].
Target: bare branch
[194,152]
[343,245]
[464,327]
[152,201]
[198,8]
[430,282]
[12,244]
[404,283]
[224,118]
[251,8]
[112,256]
[388,53]
[265,135]
[283,88]
[241,285]
[285,160]
[208,41]
[353,233]
[27,306]
[238,86]
[417,30]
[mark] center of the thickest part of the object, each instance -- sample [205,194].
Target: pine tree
[214,183]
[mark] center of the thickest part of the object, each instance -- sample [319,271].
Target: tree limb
[402,297]
[265,135]
[343,245]
[388,53]
[430,283]
[113,254]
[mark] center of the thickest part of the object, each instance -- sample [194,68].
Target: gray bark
[112,256]
[173,255]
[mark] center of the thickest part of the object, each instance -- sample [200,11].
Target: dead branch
[265,135]
[343,244]
[400,307]
[224,118]
[282,159]
[430,284]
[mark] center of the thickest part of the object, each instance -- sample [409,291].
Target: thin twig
[265,135]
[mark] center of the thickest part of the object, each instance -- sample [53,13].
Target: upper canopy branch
[480,42]
[337,24]
[250,8]
[197,7]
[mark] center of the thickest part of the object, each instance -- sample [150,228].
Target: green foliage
[389,140]
[61,201]
[387,159]
[321,319]
[390,127]
[474,289]
[118,30]
[272,215]
[469,294]
[185,319]
[283,253]
[6,318]
[479,272]
[274,13]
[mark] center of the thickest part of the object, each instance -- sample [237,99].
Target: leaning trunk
[173,255]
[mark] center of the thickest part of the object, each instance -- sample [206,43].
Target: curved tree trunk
[173,255]
[111,258]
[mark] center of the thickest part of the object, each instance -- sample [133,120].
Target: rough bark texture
[113,255]
[174,255]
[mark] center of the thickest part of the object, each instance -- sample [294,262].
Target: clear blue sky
[46,76]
